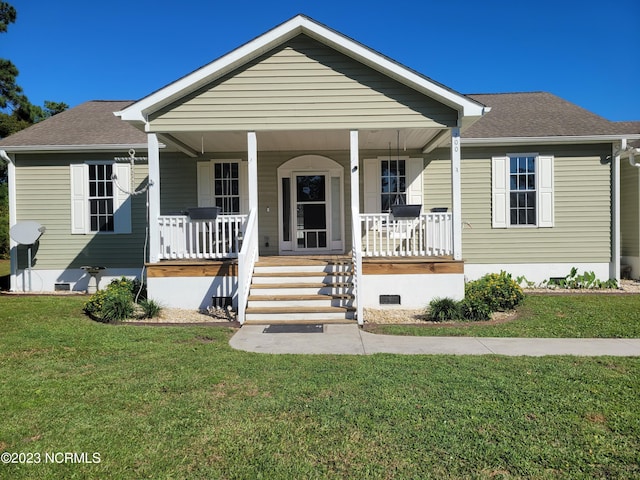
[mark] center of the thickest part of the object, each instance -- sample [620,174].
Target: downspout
[13,246]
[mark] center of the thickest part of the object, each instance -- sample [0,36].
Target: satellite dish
[27,232]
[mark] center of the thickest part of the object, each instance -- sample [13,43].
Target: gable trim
[139,111]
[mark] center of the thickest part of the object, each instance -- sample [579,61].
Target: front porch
[311,288]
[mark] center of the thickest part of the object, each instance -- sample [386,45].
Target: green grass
[574,316]
[180,403]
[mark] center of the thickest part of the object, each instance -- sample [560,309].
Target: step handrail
[247,258]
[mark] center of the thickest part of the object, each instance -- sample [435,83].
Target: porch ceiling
[409,138]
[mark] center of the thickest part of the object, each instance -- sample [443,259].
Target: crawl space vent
[62,287]
[389,299]
[221,302]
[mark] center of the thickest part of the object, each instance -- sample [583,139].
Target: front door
[311,220]
[310,206]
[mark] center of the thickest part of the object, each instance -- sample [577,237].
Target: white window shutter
[79,198]
[205,184]
[415,187]
[122,199]
[371,185]
[545,192]
[499,191]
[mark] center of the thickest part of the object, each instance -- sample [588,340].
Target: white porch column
[356,236]
[456,194]
[154,197]
[13,218]
[614,268]
[355,189]
[252,156]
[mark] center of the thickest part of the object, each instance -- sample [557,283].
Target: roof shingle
[90,123]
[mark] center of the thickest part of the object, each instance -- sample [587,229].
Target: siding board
[302,85]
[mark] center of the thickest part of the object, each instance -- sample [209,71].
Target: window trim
[206,183]
[80,209]
[372,188]
[501,190]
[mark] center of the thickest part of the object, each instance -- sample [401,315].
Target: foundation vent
[389,299]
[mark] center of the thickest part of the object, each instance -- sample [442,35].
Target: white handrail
[429,234]
[184,238]
[246,262]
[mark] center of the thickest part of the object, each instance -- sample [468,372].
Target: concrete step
[304,300]
[280,321]
[299,313]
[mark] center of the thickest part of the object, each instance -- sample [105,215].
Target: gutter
[72,148]
[500,141]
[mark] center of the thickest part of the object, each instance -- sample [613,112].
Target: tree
[16,113]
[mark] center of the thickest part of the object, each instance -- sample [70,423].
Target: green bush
[474,310]
[118,305]
[150,308]
[117,301]
[496,290]
[443,310]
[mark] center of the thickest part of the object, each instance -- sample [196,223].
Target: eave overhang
[551,140]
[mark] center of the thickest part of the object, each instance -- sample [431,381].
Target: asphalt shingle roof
[529,114]
[90,123]
[539,114]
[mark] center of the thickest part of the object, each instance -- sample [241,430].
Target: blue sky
[584,51]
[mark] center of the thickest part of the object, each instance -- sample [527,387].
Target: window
[97,205]
[393,184]
[100,198]
[220,184]
[226,186]
[392,181]
[522,191]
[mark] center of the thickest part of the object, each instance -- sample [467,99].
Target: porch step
[301,291]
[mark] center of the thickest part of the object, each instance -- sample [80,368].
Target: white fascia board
[545,140]
[75,148]
[140,110]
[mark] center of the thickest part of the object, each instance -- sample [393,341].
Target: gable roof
[540,114]
[89,126]
[528,117]
[298,25]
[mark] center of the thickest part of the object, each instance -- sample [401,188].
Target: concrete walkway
[351,340]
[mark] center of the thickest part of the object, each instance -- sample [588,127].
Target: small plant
[574,280]
[496,290]
[443,309]
[118,305]
[474,310]
[150,308]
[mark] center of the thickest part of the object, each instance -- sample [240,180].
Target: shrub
[443,309]
[116,301]
[118,305]
[474,310]
[496,290]
[150,308]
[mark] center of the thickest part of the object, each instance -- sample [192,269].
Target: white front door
[311,206]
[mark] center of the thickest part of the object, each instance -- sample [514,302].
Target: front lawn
[168,402]
[576,316]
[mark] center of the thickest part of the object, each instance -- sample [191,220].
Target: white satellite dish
[27,233]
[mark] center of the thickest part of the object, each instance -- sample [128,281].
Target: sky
[583,51]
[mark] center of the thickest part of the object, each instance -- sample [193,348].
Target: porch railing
[183,238]
[246,262]
[429,234]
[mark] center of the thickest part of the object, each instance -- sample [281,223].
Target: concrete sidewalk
[351,340]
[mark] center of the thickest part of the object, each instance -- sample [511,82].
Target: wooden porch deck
[370,265]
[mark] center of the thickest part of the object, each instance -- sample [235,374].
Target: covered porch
[319,138]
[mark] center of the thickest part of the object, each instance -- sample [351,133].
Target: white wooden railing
[183,238]
[247,258]
[429,234]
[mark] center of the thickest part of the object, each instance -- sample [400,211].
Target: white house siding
[44,195]
[302,85]
[630,216]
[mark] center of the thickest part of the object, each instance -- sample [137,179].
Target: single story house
[304,176]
